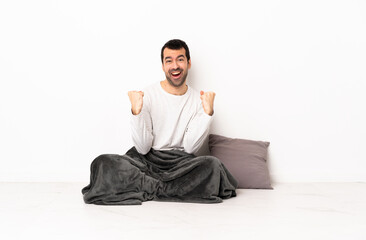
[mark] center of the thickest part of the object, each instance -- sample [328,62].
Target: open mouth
[176,74]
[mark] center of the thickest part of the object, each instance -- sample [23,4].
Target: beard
[178,82]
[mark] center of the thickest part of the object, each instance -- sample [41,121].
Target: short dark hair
[175,44]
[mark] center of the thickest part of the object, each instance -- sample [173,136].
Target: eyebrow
[171,57]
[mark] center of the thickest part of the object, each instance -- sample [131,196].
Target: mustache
[177,69]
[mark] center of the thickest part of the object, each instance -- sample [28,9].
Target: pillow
[245,159]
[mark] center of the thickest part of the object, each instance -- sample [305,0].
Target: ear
[189,64]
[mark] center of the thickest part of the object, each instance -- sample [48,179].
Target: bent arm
[141,128]
[197,131]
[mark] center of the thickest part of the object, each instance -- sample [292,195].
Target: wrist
[135,112]
[210,113]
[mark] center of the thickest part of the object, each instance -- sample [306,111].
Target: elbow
[193,146]
[143,145]
[143,149]
[190,149]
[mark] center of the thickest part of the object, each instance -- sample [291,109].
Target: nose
[175,65]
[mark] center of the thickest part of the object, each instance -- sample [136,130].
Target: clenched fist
[136,101]
[207,99]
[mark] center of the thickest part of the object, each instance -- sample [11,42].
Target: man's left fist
[207,99]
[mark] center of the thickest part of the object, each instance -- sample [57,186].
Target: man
[169,121]
[170,114]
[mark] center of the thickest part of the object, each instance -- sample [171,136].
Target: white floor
[290,211]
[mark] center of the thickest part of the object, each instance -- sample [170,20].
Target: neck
[172,89]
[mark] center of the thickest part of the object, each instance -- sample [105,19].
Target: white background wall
[288,72]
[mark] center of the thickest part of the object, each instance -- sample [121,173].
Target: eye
[181,59]
[168,61]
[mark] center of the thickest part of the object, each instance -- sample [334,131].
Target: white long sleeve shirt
[169,121]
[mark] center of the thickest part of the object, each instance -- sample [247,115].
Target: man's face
[175,66]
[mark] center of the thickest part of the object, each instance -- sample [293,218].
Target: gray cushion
[245,159]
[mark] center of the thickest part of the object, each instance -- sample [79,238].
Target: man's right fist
[136,101]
